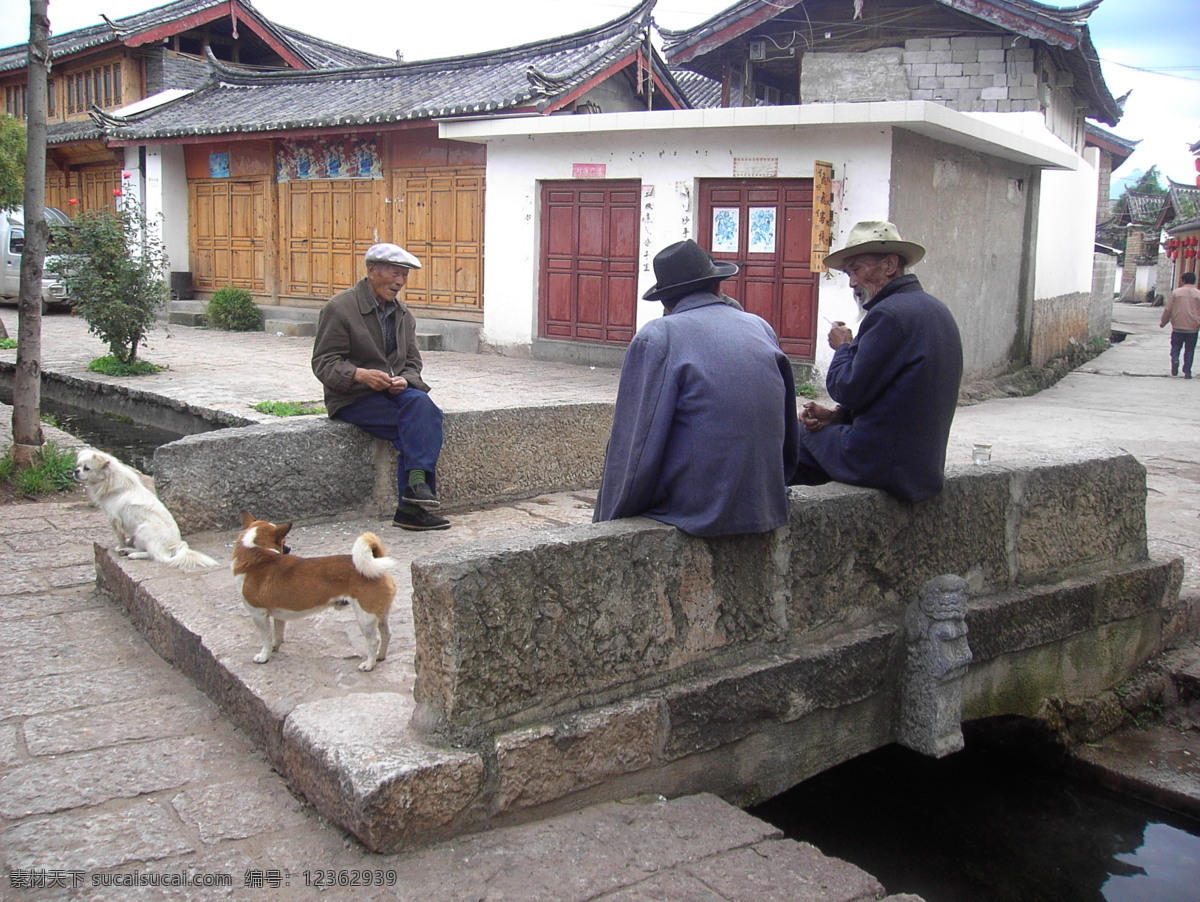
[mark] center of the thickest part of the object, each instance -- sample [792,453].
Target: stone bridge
[602,661]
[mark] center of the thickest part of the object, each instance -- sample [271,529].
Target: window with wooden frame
[100,85]
[15,97]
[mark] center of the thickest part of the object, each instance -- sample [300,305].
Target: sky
[1143,47]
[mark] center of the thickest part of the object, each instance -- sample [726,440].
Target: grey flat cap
[392,253]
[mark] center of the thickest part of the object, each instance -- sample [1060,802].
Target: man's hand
[380,381]
[839,335]
[815,417]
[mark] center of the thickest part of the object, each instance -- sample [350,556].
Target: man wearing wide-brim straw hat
[896,383]
[705,432]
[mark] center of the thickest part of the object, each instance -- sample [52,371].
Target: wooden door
[326,227]
[765,226]
[589,265]
[98,187]
[437,214]
[228,234]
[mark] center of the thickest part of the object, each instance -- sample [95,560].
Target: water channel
[128,441]
[985,825]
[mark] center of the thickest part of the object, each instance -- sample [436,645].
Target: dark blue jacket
[897,383]
[704,432]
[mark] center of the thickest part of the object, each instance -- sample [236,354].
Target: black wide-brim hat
[684,265]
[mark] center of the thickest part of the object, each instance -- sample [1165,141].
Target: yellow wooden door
[99,185]
[228,234]
[326,227]
[438,215]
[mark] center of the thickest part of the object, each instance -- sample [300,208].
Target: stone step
[187,318]
[429,341]
[292,328]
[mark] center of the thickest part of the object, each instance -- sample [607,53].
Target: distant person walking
[1182,311]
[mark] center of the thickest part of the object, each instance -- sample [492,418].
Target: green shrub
[290,408]
[51,473]
[114,262]
[233,310]
[8,344]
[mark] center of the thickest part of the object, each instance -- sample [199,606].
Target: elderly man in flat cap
[705,431]
[896,383]
[366,356]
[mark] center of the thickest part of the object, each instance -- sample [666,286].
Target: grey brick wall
[973,74]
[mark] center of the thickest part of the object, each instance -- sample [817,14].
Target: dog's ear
[247,519]
[282,530]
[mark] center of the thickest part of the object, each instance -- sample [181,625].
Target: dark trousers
[1187,342]
[410,421]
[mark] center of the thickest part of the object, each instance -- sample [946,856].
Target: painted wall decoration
[762,230]
[218,165]
[725,228]
[345,158]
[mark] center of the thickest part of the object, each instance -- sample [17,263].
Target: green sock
[416,476]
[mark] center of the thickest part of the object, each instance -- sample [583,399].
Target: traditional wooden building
[1179,218]
[123,62]
[277,180]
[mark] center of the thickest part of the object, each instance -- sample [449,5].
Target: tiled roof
[1120,148]
[1182,209]
[1064,29]
[529,77]
[314,51]
[1141,209]
[702,92]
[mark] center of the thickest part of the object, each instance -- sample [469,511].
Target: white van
[12,243]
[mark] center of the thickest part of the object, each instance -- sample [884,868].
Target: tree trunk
[27,383]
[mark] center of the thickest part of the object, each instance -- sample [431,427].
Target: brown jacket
[1182,310]
[349,337]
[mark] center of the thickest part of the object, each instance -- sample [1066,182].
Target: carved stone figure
[936,662]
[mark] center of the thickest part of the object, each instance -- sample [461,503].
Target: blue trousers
[410,421]
[1185,341]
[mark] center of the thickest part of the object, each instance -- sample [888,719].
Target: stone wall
[1059,323]
[534,629]
[974,74]
[315,467]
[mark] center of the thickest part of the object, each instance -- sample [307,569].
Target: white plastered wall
[161,189]
[669,166]
[1064,250]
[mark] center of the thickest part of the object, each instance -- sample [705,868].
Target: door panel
[228,234]
[438,215]
[765,226]
[588,285]
[327,226]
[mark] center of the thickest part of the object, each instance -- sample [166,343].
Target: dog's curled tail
[186,558]
[369,557]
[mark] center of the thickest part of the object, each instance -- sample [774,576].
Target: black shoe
[418,519]
[420,494]
[1187,375]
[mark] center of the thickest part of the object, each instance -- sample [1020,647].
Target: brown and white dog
[144,527]
[278,586]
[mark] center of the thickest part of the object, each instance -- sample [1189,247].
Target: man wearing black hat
[705,432]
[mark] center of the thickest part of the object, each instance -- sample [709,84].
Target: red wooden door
[765,226]
[589,267]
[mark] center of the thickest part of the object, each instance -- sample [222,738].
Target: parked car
[12,245]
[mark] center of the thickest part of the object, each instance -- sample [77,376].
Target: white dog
[145,528]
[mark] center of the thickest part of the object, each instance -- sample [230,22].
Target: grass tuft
[290,408]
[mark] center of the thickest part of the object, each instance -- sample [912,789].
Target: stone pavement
[117,775]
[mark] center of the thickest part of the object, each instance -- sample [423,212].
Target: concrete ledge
[305,467]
